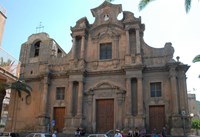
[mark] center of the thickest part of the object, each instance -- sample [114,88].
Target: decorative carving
[116,63]
[95,65]
[104,93]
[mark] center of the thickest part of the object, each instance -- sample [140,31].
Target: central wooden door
[59,113]
[156,118]
[104,115]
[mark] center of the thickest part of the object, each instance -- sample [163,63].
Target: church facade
[110,79]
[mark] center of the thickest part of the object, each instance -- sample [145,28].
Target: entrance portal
[156,118]
[59,113]
[104,115]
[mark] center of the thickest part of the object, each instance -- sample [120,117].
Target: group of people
[141,133]
[79,132]
[136,133]
[162,134]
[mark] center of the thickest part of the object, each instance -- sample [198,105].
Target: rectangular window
[60,93]
[106,51]
[155,89]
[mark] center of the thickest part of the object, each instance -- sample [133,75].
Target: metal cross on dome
[40,28]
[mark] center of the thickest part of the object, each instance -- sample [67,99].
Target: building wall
[2,22]
[193,105]
[125,79]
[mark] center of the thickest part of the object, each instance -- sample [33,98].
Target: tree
[196,59]
[144,3]
[18,86]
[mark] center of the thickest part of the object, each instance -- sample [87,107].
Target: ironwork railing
[9,63]
[2,10]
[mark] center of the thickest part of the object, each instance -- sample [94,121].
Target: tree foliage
[5,63]
[196,59]
[196,124]
[19,86]
[144,3]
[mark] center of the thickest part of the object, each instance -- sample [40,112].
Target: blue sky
[165,21]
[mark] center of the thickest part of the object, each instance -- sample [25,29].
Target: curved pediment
[81,24]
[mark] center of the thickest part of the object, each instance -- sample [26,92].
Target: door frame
[54,115]
[95,111]
[164,116]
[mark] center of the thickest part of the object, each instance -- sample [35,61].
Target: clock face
[106,17]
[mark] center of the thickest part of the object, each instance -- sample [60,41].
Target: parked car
[98,135]
[9,134]
[39,135]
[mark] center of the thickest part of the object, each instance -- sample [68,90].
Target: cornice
[106,72]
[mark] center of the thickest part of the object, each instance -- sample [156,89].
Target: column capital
[128,78]
[137,28]
[140,78]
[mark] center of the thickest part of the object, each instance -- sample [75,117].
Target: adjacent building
[193,106]
[110,79]
[9,70]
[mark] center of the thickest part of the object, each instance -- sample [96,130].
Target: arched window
[37,48]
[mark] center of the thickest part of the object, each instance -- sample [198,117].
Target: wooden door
[156,118]
[104,115]
[59,113]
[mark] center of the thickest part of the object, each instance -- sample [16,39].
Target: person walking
[118,134]
[164,132]
[54,134]
[130,133]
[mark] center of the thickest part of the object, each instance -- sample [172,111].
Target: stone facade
[109,68]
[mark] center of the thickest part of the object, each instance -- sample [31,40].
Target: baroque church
[110,79]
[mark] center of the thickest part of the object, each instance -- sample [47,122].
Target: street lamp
[183,114]
[191,115]
[184,117]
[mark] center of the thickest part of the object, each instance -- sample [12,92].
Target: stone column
[116,47]
[80,98]
[128,96]
[138,48]
[174,90]
[82,47]
[69,99]
[128,104]
[43,118]
[69,125]
[120,101]
[139,96]
[45,96]
[73,48]
[183,92]
[95,54]
[95,49]
[90,111]
[128,43]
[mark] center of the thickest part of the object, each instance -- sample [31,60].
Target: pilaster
[140,96]
[82,47]
[128,43]
[73,48]
[80,99]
